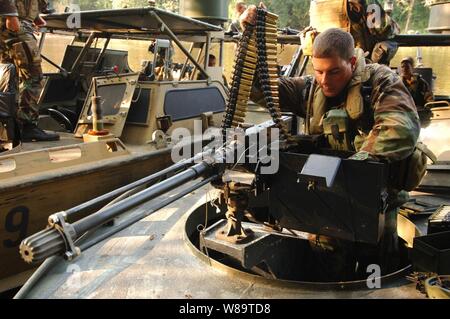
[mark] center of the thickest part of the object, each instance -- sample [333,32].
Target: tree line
[409,14]
[295,13]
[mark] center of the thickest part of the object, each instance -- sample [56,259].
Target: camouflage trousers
[21,50]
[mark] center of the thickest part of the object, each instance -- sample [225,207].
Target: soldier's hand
[364,156]
[13,24]
[249,15]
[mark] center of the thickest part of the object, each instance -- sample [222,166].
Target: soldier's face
[333,73]
[406,69]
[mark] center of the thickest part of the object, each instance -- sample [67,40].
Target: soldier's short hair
[334,42]
[408,59]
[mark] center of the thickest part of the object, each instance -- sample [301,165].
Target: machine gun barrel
[135,218]
[60,236]
[95,202]
[97,219]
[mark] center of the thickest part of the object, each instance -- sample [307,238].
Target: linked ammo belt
[257,50]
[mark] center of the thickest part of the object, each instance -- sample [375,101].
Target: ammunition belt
[257,49]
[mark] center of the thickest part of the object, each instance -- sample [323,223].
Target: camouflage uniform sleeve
[8,8]
[292,94]
[396,124]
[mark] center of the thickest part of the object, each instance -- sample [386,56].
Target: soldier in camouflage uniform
[19,46]
[371,32]
[419,88]
[375,116]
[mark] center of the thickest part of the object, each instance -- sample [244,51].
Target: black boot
[30,133]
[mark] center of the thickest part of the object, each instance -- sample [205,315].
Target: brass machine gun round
[257,49]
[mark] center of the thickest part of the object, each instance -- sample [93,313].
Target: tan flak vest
[28,9]
[340,126]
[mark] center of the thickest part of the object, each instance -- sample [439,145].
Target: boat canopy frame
[143,24]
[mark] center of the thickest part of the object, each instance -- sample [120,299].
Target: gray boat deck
[151,259]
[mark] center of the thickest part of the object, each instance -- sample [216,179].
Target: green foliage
[419,18]
[93,5]
[170,5]
[292,13]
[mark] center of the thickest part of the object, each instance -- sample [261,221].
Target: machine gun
[298,188]
[283,180]
[60,236]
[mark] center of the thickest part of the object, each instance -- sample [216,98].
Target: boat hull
[25,207]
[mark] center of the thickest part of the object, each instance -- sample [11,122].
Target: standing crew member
[419,88]
[18,45]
